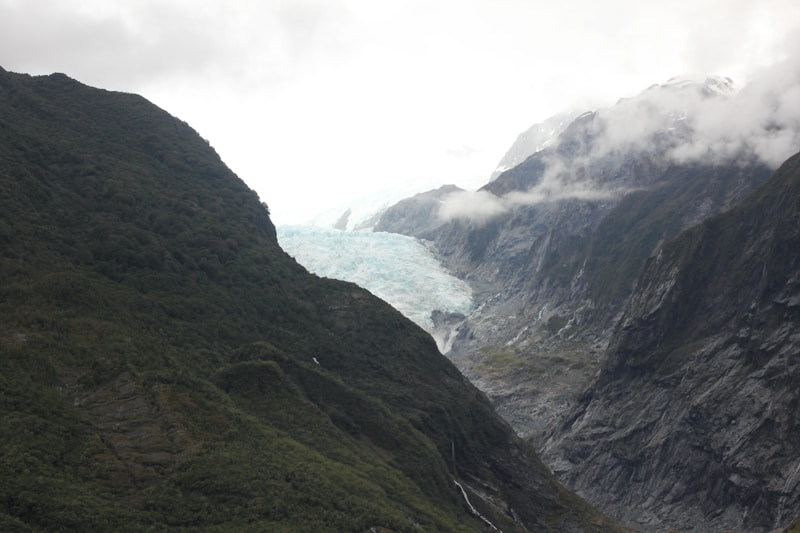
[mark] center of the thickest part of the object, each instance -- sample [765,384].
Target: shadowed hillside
[167,366]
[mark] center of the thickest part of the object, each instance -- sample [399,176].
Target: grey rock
[693,421]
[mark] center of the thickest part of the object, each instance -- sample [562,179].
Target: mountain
[636,303]
[417,215]
[166,366]
[693,418]
[536,138]
[552,247]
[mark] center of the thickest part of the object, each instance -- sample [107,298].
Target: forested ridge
[167,366]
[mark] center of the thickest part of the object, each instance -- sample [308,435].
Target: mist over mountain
[536,138]
[552,249]
[167,366]
[684,120]
[541,241]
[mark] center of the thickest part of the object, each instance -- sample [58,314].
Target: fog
[316,102]
[683,120]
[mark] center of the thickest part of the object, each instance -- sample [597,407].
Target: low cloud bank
[481,206]
[684,120]
[762,121]
[476,206]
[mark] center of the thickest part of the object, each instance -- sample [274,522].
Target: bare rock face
[693,420]
[536,138]
[666,401]
[551,273]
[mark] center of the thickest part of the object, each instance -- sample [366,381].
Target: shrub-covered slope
[167,366]
[693,421]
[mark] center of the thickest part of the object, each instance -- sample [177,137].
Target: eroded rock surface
[693,420]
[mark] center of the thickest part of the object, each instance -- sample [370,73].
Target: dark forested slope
[166,365]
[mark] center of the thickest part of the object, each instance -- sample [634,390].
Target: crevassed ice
[398,269]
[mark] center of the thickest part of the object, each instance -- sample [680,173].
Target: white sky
[317,102]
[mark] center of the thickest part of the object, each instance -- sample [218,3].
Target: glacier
[401,270]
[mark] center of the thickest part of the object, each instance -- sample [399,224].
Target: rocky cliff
[693,419]
[569,229]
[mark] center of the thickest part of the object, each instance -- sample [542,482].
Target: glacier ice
[398,269]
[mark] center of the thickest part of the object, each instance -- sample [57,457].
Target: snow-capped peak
[710,85]
[534,139]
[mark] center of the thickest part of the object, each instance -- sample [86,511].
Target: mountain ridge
[705,356]
[168,366]
[573,224]
[562,252]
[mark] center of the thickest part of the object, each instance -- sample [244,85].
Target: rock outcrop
[693,420]
[575,222]
[667,401]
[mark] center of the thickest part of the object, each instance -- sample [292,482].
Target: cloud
[110,48]
[129,45]
[692,124]
[478,207]
[762,121]
[475,206]
[687,119]
[572,191]
[358,82]
[460,152]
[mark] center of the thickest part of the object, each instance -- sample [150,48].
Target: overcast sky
[316,102]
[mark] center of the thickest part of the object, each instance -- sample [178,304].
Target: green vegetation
[502,362]
[159,350]
[793,528]
[564,363]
